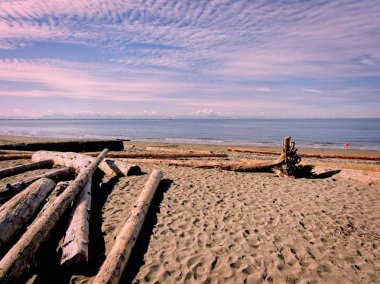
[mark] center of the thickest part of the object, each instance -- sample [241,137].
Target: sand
[214,226]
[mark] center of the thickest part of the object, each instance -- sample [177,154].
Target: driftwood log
[68,146]
[15,152]
[57,191]
[79,161]
[75,242]
[6,157]
[320,156]
[16,214]
[229,166]
[19,256]
[179,151]
[56,175]
[24,168]
[114,265]
[161,155]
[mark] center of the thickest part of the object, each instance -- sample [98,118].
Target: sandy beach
[216,226]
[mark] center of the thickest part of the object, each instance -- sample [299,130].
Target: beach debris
[5,157]
[15,214]
[114,265]
[78,161]
[24,168]
[69,146]
[57,191]
[290,158]
[179,151]
[227,165]
[306,155]
[162,155]
[56,175]
[15,152]
[21,254]
[76,239]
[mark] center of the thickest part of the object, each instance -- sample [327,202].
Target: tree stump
[289,155]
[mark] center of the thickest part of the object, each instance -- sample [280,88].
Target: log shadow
[143,240]
[97,246]
[307,172]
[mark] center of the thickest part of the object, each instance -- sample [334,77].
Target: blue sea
[312,133]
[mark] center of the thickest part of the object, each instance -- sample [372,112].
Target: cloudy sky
[170,58]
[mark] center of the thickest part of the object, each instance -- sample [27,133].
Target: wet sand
[214,226]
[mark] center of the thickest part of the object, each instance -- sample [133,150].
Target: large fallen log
[6,157]
[79,161]
[161,155]
[114,265]
[24,168]
[179,151]
[321,156]
[68,146]
[12,189]
[16,214]
[352,166]
[75,242]
[19,256]
[57,191]
[229,166]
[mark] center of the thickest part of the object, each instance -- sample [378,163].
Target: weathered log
[117,259]
[19,256]
[57,191]
[6,157]
[15,152]
[68,146]
[56,175]
[161,155]
[229,166]
[75,243]
[78,161]
[170,150]
[306,155]
[363,167]
[15,214]
[24,168]
[122,169]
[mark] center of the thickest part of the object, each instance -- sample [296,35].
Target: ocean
[312,133]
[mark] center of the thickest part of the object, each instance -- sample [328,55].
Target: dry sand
[213,226]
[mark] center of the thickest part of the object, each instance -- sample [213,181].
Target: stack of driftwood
[31,208]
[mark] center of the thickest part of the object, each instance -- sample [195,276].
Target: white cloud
[312,91]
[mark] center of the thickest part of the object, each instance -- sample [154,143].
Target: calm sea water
[315,133]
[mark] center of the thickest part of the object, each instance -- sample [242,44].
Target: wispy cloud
[312,91]
[187,53]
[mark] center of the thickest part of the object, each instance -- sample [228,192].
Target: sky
[167,58]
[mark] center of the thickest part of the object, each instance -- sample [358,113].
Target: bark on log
[19,256]
[114,265]
[69,146]
[24,168]
[16,214]
[161,155]
[12,189]
[78,161]
[15,152]
[229,166]
[157,149]
[321,156]
[75,243]
[57,191]
[6,157]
